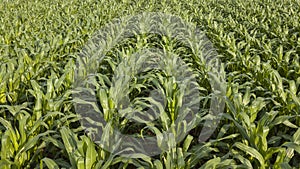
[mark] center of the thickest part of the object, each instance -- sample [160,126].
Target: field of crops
[76,94]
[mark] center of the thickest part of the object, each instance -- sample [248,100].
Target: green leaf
[158,164]
[69,143]
[292,146]
[251,151]
[211,164]
[50,163]
[91,153]
[187,143]
[296,137]
[32,142]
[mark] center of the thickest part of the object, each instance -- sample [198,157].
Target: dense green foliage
[258,42]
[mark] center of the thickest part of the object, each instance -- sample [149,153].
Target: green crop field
[80,85]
